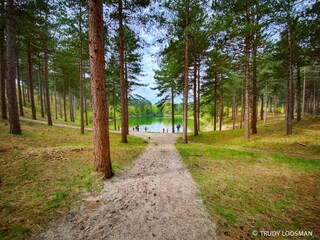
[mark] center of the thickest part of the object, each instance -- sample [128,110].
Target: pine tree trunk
[247,89]
[11,73]
[123,89]
[254,88]
[221,107]
[298,98]
[234,109]
[46,81]
[70,101]
[2,69]
[33,107]
[127,92]
[186,79]
[40,94]
[215,103]
[304,92]
[172,109]
[55,96]
[114,105]
[102,160]
[195,115]
[23,92]
[261,106]
[19,88]
[65,106]
[289,81]
[80,72]
[198,108]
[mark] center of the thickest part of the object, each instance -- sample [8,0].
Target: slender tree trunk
[114,104]
[289,81]
[85,99]
[266,105]
[23,85]
[304,92]
[186,80]
[314,104]
[123,89]
[127,89]
[46,80]
[234,109]
[195,115]
[11,72]
[198,108]
[261,106]
[19,88]
[70,101]
[221,107]
[65,106]
[55,96]
[80,72]
[33,107]
[40,93]
[172,109]
[298,98]
[215,103]
[247,89]
[102,159]
[2,69]
[254,87]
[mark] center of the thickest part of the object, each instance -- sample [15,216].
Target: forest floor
[156,199]
[46,171]
[270,183]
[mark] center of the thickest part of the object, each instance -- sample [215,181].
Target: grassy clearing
[271,182]
[45,172]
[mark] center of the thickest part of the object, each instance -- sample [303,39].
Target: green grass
[45,171]
[271,182]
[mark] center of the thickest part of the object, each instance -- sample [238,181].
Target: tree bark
[298,98]
[65,106]
[172,109]
[46,81]
[221,107]
[186,79]
[195,114]
[11,72]
[304,92]
[247,89]
[289,81]
[80,72]
[33,107]
[123,89]
[2,69]
[102,159]
[19,88]
[234,109]
[254,87]
[198,108]
[215,103]
[40,92]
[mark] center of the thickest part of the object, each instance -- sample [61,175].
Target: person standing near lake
[146,129]
[178,127]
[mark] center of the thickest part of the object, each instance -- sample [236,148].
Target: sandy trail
[155,199]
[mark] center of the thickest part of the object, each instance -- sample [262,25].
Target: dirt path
[155,199]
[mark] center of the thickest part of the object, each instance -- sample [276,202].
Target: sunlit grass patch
[46,171]
[267,183]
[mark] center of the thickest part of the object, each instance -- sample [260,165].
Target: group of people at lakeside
[137,128]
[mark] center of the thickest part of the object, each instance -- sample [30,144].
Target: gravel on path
[156,199]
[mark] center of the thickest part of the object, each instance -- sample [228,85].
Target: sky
[149,62]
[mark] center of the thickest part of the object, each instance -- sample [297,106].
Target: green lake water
[155,123]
